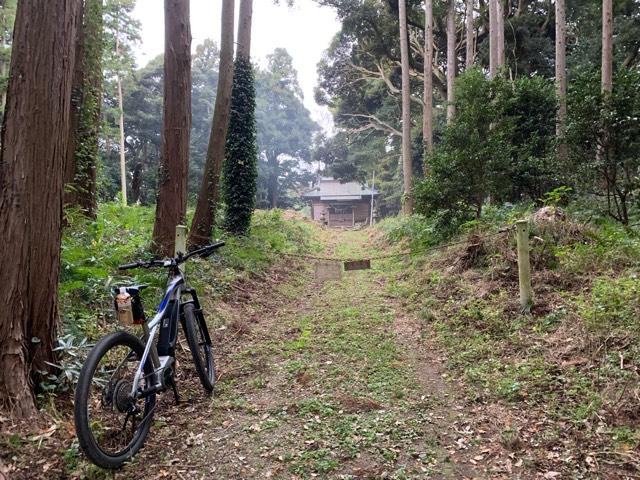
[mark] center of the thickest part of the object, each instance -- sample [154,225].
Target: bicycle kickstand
[175,391]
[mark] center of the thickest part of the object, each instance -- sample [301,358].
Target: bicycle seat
[132,290]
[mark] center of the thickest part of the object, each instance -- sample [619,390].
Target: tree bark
[274,174]
[34,144]
[427,118]
[171,208]
[493,41]
[136,178]
[470,35]
[561,78]
[80,170]
[70,192]
[89,131]
[123,162]
[244,29]
[204,217]
[407,164]
[451,61]
[607,46]
[500,34]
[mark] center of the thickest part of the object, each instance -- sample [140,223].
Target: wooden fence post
[524,266]
[180,243]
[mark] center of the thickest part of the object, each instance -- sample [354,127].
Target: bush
[499,146]
[604,135]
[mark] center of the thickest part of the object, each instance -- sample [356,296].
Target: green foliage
[285,133]
[609,248]
[240,169]
[499,146]
[92,251]
[557,196]
[604,134]
[417,230]
[612,307]
[70,354]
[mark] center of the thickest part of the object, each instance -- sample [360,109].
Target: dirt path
[328,380]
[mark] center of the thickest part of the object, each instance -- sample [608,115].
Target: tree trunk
[71,189]
[240,169]
[171,208]
[607,46]
[34,142]
[123,162]
[89,133]
[407,164]
[427,118]
[5,30]
[561,78]
[80,171]
[244,29]
[204,217]
[493,41]
[451,61]
[470,34]
[274,173]
[136,179]
[500,34]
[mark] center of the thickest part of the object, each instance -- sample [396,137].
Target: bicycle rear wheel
[111,425]
[200,346]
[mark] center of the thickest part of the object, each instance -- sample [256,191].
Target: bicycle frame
[173,293]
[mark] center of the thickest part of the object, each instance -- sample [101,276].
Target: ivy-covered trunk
[240,170]
[80,172]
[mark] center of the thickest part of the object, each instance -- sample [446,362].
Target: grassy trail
[329,381]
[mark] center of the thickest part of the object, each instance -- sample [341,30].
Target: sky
[305,30]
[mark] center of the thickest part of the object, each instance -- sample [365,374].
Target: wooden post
[524,266]
[181,242]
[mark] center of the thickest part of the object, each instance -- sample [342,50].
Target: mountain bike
[115,398]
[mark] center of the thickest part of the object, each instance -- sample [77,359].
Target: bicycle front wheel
[111,425]
[200,346]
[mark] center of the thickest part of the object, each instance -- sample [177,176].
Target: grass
[573,360]
[92,251]
[350,395]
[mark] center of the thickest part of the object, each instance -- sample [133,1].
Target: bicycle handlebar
[203,252]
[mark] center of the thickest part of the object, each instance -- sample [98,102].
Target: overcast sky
[305,30]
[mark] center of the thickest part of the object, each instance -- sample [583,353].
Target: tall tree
[470,34]
[452,60]
[407,161]
[561,76]
[34,142]
[496,37]
[241,152]
[121,33]
[500,34]
[123,164]
[70,197]
[427,97]
[204,217]
[607,46]
[285,130]
[171,207]
[82,156]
